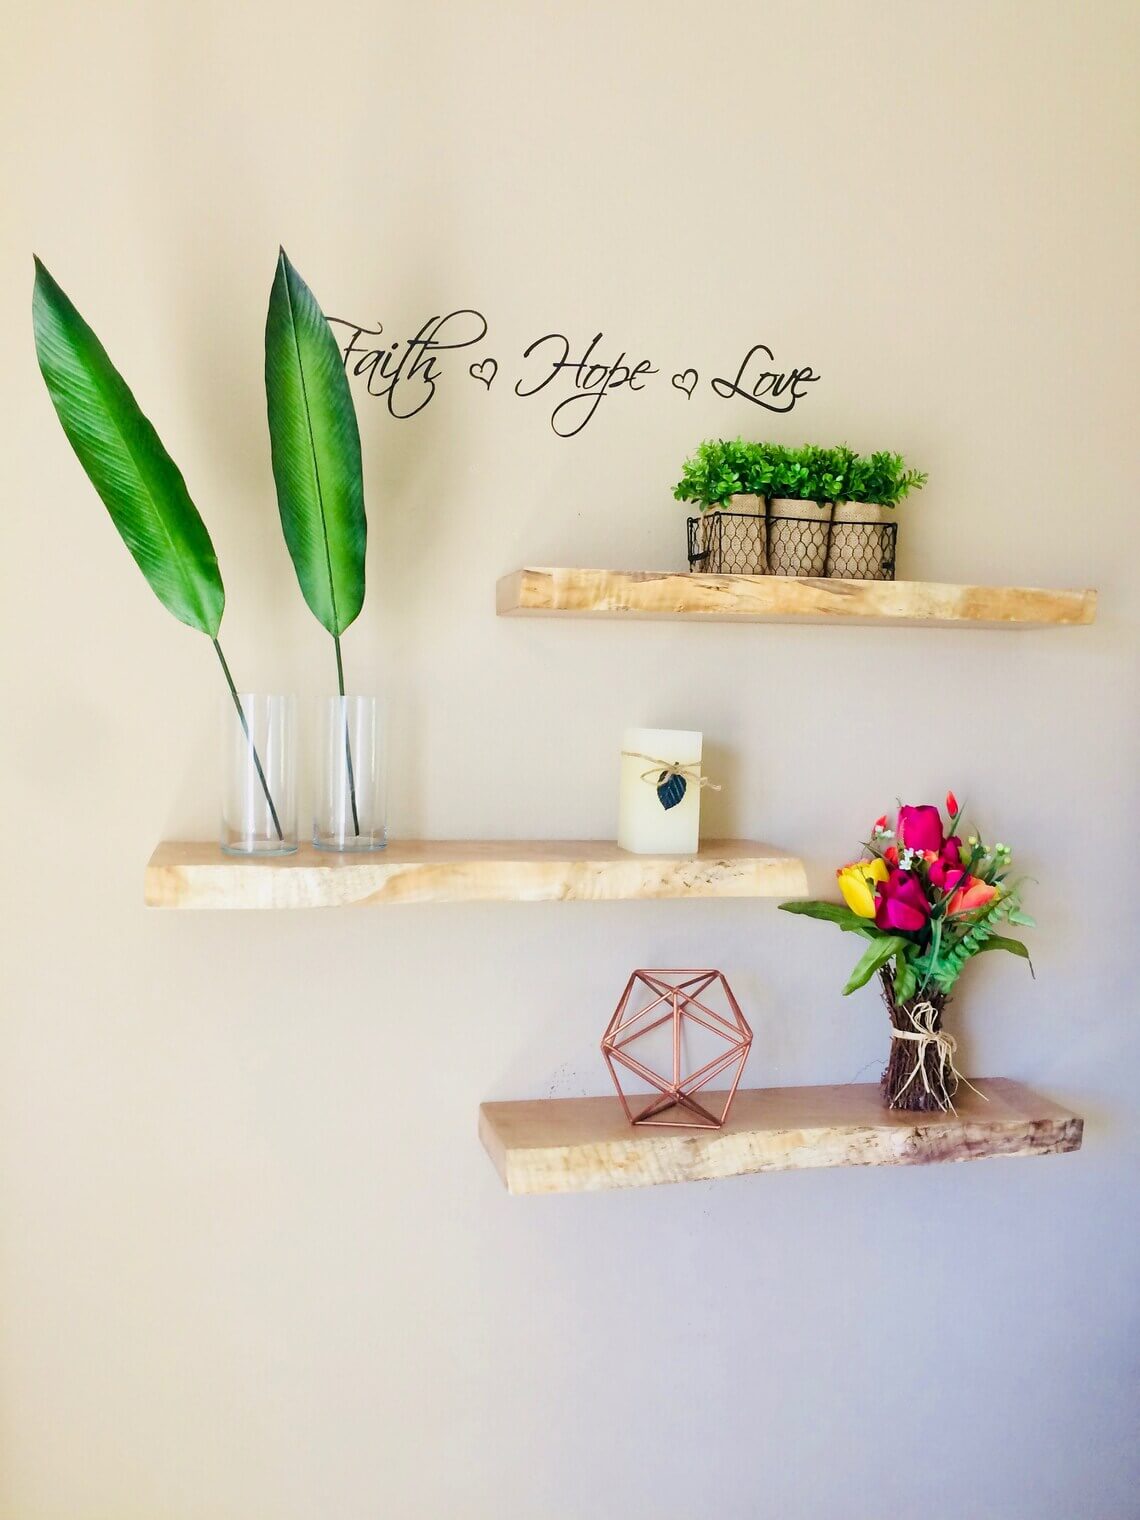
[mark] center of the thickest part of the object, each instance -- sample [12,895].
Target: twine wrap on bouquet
[923,1034]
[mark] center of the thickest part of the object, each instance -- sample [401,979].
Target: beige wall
[252,1259]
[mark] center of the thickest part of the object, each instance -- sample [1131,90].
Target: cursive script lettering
[407,380]
[782,388]
[405,372]
[592,381]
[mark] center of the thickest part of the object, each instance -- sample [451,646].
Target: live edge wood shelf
[182,875]
[782,599]
[576,1145]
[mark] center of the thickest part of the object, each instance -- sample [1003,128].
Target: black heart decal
[485,370]
[687,382]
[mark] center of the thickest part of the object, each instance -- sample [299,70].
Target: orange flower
[973,893]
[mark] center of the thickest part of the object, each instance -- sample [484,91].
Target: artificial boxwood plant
[721,468]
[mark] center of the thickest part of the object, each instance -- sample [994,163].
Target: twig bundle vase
[920,1074]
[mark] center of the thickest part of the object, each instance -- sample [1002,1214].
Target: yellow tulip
[857,883]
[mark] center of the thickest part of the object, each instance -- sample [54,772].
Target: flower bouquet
[927,903]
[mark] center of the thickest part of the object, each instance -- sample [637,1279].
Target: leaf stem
[347,739]
[249,738]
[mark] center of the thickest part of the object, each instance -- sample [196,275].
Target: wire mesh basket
[748,543]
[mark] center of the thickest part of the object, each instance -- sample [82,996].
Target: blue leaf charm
[671,790]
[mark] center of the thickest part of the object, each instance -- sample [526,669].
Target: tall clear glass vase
[351,777]
[259,774]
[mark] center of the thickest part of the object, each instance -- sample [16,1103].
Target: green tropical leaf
[905,979]
[1011,946]
[876,954]
[831,913]
[316,452]
[141,486]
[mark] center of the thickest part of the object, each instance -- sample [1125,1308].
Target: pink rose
[920,828]
[900,903]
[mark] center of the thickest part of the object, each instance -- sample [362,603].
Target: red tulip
[975,894]
[951,803]
[900,903]
[920,828]
[945,869]
[944,875]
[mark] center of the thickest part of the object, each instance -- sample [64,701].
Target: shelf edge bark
[536,592]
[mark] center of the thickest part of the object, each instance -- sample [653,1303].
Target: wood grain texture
[573,1145]
[195,875]
[783,599]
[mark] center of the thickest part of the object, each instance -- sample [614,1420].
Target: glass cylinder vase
[259,774]
[351,775]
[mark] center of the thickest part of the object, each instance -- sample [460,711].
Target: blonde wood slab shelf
[182,875]
[782,599]
[575,1145]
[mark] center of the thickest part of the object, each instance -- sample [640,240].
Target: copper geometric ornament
[682,1000]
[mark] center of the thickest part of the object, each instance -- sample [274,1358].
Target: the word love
[593,379]
[775,390]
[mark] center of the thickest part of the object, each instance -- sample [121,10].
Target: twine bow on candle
[922,1035]
[669,778]
[665,770]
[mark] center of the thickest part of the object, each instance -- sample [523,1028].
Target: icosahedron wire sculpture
[683,1000]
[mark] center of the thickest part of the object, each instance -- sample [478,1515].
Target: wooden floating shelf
[783,599]
[182,875]
[575,1145]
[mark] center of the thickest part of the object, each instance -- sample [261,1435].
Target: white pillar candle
[645,826]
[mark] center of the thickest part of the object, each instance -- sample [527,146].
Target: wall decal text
[576,376]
